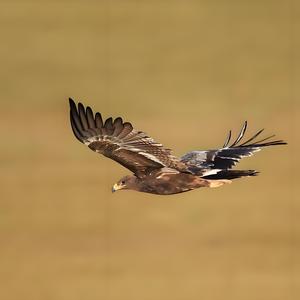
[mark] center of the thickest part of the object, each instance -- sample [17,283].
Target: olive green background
[185,72]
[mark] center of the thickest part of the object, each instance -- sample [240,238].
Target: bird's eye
[122,182]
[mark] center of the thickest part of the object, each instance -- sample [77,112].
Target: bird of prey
[155,170]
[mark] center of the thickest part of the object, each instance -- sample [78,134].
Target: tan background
[185,72]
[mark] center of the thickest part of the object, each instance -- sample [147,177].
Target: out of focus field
[185,72]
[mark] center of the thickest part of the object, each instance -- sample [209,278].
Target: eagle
[154,168]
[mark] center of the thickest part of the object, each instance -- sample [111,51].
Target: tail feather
[231,174]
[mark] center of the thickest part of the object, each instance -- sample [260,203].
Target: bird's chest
[166,184]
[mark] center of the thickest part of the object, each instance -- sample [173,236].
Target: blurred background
[185,72]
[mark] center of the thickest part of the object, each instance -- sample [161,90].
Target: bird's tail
[231,174]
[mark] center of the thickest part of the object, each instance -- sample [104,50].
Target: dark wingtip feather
[82,115]
[253,137]
[109,126]
[98,120]
[90,117]
[72,104]
[118,126]
[75,129]
[81,109]
[255,144]
[271,143]
[241,134]
[227,139]
[77,121]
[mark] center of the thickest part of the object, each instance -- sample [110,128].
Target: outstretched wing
[229,155]
[119,141]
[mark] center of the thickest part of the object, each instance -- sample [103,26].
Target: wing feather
[119,141]
[227,139]
[82,116]
[90,118]
[98,119]
[118,126]
[127,128]
[75,130]
[228,156]
[241,134]
[74,117]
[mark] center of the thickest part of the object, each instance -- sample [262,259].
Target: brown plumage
[155,170]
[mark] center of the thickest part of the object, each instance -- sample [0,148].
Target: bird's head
[126,183]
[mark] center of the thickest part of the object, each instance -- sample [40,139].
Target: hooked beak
[116,187]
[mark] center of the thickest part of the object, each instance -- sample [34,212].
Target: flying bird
[154,169]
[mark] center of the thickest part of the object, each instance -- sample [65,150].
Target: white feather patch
[166,172]
[211,172]
[151,157]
